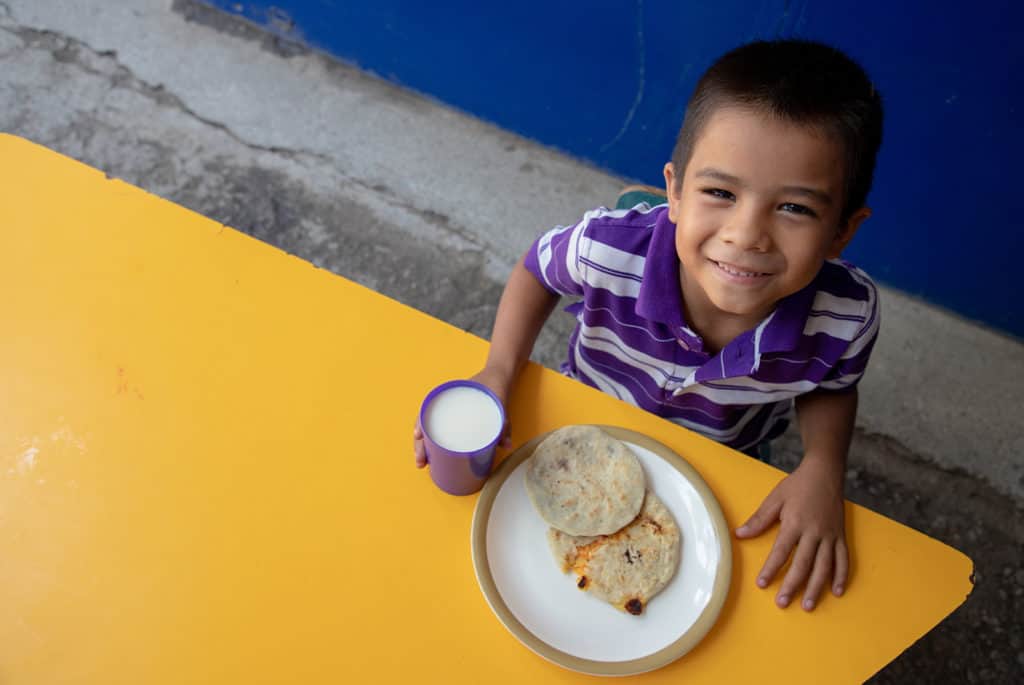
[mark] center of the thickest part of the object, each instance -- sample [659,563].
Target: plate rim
[686,642]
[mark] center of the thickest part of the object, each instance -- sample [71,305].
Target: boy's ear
[847,231]
[673,188]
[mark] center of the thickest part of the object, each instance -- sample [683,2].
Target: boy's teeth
[735,272]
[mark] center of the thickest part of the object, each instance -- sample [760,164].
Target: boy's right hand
[499,387]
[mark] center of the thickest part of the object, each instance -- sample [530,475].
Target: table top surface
[206,473]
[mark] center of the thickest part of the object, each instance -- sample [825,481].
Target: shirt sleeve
[554,258]
[850,367]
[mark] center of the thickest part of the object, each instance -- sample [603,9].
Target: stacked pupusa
[617,536]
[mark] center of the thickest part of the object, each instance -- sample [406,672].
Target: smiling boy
[728,306]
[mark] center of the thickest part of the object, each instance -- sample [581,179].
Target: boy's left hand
[809,506]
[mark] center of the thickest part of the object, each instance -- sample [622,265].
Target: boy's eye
[719,193]
[794,208]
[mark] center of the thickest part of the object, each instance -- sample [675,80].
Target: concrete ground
[432,207]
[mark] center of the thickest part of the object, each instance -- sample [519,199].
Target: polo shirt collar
[784,327]
[780,331]
[660,298]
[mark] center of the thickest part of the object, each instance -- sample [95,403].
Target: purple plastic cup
[454,471]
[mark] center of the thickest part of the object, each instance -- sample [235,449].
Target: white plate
[543,607]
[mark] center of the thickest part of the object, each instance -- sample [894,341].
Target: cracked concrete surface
[306,104]
[432,208]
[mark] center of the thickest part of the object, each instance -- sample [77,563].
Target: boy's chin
[744,308]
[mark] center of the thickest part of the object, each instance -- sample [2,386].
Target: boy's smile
[756,215]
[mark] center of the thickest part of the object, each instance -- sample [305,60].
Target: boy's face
[756,215]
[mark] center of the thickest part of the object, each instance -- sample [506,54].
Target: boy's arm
[826,423]
[809,503]
[524,307]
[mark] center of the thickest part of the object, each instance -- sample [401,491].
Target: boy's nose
[746,229]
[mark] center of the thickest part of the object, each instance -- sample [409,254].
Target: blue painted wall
[608,81]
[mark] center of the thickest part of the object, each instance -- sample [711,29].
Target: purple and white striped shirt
[631,340]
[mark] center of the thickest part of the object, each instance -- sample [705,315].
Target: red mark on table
[123,386]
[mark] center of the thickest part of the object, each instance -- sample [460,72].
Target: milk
[462,419]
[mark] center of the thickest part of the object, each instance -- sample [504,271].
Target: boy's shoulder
[841,279]
[843,305]
[639,216]
[629,230]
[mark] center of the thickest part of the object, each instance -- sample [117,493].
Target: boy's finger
[420,452]
[823,564]
[417,433]
[842,568]
[803,561]
[762,519]
[777,557]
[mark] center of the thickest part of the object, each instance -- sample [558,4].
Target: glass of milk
[461,423]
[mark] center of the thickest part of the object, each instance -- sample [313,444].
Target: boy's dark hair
[798,81]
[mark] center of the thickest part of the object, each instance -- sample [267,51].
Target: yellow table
[206,475]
